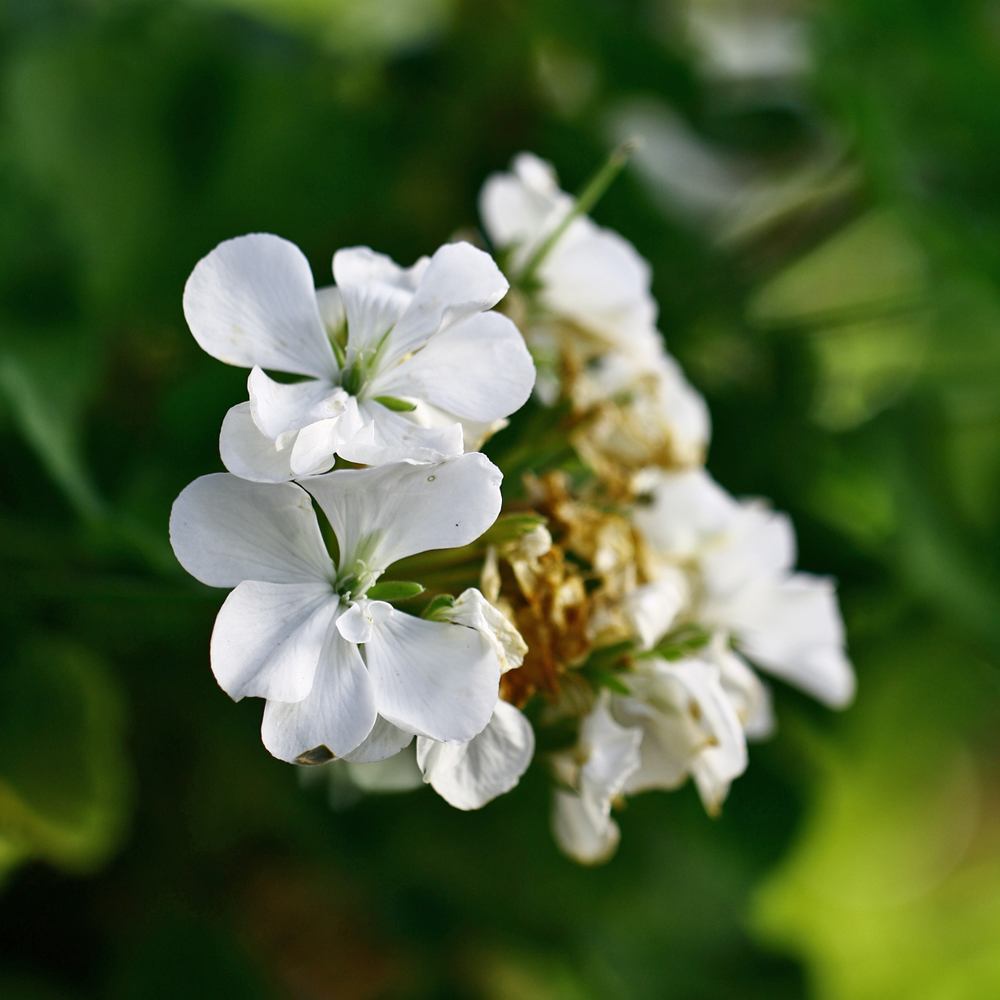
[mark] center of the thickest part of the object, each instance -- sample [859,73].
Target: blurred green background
[818,194]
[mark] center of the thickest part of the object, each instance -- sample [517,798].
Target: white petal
[331,308]
[472,610]
[356,267]
[689,726]
[431,678]
[251,301]
[459,281]
[587,836]
[399,510]
[445,434]
[652,608]
[478,369]
[724,757]
[599,280]
[280,408]
[338,713]
[684,412]
[611,754]
[758,544]
[797,634]
[658,708]
[375,292]
[268,638]
[582,820]
[681,511]
[520,207]
[468,775]
[396,437]
[225,530]
[748,695]
[317,445]
[384,741]
[360,620]
[668,738]
[249,454]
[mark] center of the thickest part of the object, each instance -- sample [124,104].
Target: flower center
[358,574]
[357,369]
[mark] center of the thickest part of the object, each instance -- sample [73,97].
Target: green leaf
[395,590]
[396,405]
[47,379]
[892,888]
[63,779]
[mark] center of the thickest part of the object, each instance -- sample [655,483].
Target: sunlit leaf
[63,784]
[894,886]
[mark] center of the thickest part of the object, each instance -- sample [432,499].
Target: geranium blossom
[591,275]
[396,364]
[339,670]
[688,725]
[743,555]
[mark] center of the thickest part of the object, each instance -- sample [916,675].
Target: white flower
[595,773]
[743,555]
[689,727]
[591,276]
[397,364]
[338,670]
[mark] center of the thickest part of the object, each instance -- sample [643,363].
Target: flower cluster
[613,601]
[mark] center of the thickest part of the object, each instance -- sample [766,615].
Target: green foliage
[47,381]
[909,906]
[63,784]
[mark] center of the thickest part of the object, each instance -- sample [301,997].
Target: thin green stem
[591,194]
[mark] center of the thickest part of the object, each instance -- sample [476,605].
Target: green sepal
[602,667]
[438,604]
[511,527]
[396,405]
[395,590]
[606,679]
[678,644]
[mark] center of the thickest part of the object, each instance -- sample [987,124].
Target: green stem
[591,194]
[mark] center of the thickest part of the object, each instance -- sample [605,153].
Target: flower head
[395,364]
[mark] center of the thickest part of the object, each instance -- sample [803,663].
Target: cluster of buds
[405,620]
